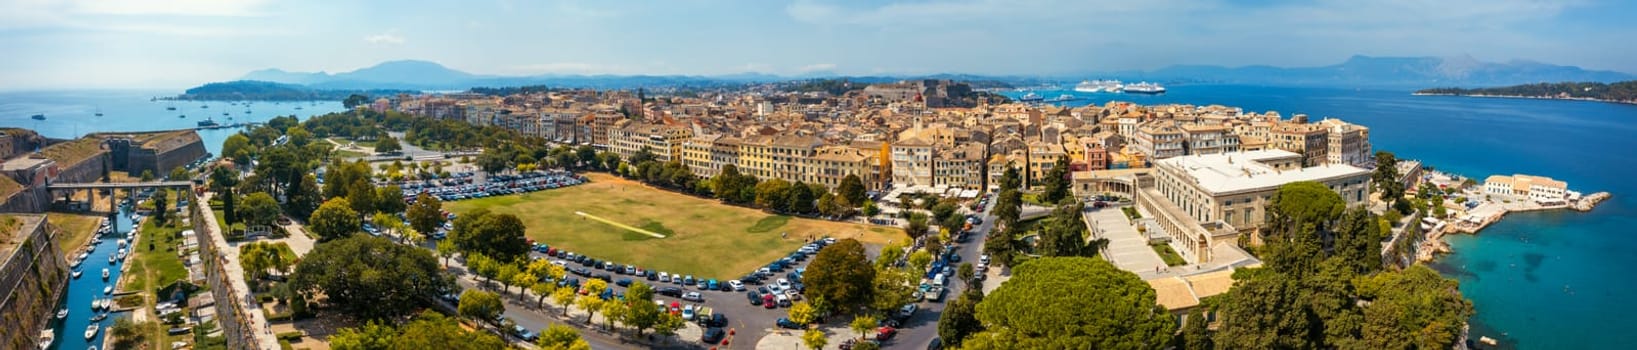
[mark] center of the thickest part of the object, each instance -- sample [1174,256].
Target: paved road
[235,273]
[921,328]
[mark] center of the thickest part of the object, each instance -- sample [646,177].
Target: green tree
[333,220]
[238,148]
[563,297]
[965,272]
[431,330]
[260,209]
[852,189]
[127,334]
[960,319]
[368,277]
[354,101]
[772,194]
[1266,313]
[560,337]
[1384,179]
[161,205]
[1194,334]
[147,176]
[841,274]
[800,199]
[223,181]
[304,198]
[892,288]
[481,306]
[803,313]
[179,174]
[870,209]
[390,199]
[889,256]
[920,259]
[361,196]
[1057,182]
[917,226]
[426,214]
[1065,233]
[1414,306]
[497,235]
[370,336]
[863,324]
[387,145]
[1093,305]
[814,338]
[1011,179]
[641,316]
[592,301]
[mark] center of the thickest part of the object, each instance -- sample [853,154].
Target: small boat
[105,273]
[38,117]
[181,116]
[122,243]
[91,331]
[61,314]
[99,317]
[91,247]
[107,289]
[46,338]
[112,258]
[77,274]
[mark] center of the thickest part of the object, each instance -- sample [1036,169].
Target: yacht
[207,123]
[91,331]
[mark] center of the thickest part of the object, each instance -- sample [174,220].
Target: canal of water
[82,291]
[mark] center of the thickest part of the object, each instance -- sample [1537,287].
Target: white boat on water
[47,336]
[105,273]
[112,258]
[61,314]
[77,273]
[91,331]
[122,243]
[107,289]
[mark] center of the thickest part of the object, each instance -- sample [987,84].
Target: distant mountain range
[1358,71]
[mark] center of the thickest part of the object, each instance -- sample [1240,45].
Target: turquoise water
[73,113]
[81,291]
[1549,280]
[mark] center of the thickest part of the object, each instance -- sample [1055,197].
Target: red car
[767,301]
[885,332]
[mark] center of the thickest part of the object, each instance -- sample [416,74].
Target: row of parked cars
[496,185]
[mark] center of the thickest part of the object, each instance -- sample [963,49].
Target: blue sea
[71,114]
[1546,280]
[1550,280]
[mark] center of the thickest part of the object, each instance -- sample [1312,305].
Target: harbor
[91,300]
[1480,205]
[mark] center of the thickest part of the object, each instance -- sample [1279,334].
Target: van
[938,279]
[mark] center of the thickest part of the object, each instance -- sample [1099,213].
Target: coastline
[1526,97]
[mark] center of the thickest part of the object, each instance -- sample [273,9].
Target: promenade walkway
[1127,248]
[259,329]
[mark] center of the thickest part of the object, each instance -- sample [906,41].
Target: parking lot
[467,185]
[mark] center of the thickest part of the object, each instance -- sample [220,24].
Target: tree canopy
[369,277]
[1074,303]
[499,236]
[426,214]
[335,219]
[259,209]
[841,274]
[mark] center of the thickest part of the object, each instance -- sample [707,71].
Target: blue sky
[51,44]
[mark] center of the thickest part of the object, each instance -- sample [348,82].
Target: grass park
[703,237]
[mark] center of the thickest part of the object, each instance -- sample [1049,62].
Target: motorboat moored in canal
[107,289]
[91,331]
[61,314]
[104,273]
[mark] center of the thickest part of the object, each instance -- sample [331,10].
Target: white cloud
[390,37]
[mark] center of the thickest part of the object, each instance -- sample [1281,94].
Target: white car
[984,259]
[665,277]
[687,312]
[783,284]
[737,286]
[693,296]
[793,294]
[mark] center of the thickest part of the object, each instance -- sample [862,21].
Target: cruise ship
[1145,88]
[1094,86]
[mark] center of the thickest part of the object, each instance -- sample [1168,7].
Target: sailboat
[170,107]
[99,111]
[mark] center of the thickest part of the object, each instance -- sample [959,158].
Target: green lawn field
[704,238]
